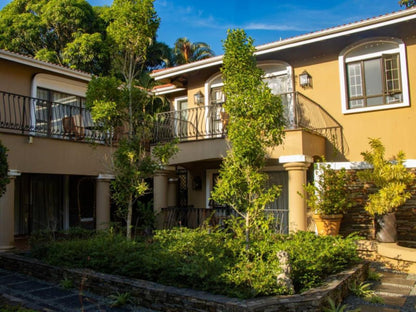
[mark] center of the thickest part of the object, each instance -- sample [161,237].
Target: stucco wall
[54,156]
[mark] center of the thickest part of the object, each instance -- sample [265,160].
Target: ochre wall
[395,127]
[53,156]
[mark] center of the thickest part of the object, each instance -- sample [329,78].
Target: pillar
[7,213]
[160,195]
[296,166]
[103,207]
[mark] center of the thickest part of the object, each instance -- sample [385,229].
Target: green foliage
[185,51]
[407,3]
[373,275]
[329,194]
[4,169]
[66,283]
[67,32]
[207,259]
[364,291]
[120,299]
[75,34]
[391,178]
[255,123]
[333,307]
[118,105]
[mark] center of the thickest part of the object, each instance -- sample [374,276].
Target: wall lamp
[198,98]
[305,80]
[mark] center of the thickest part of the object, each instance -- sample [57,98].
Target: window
[53,106]
[373,76]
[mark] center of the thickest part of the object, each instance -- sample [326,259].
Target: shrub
[211,260]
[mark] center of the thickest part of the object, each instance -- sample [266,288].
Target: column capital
[106,177]
[12,173]
[295,159]
[303,166]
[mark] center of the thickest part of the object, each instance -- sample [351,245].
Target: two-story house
[340,87]
[58,161]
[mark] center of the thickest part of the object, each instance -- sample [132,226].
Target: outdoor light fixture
[305,80]
[198,98]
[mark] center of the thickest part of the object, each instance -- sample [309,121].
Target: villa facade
[58,161]
[339,86]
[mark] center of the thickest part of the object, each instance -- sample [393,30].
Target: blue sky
[264,20]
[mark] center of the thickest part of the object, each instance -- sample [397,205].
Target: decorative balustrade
[206,122]
[31,116]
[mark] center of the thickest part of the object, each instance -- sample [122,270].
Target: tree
[65,32]
[407,3]
[256,122]
[122,103]
[186,52]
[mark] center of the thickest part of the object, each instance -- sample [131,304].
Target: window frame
[344,60]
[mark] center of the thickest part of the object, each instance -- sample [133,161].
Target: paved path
[398,291]
[43,296]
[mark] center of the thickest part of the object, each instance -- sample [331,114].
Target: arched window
[374,76]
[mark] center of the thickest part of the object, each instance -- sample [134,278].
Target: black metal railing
[191,124]
[193,217]
[31,116]
[210,121]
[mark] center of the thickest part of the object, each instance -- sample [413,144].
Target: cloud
[264,26]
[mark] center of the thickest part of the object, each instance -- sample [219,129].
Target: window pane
[391,64]
[356,103]
[355,83]
[373,78]
[375,101]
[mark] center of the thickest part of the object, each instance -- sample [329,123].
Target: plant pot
[386,231]
[328,224]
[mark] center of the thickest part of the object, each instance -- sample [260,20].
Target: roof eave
[388,19]
[21,59]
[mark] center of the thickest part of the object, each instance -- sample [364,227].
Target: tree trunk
[247,231]
[129,217]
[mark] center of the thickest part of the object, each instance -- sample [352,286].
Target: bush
[211,260]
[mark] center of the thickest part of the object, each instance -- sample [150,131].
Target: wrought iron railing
[31,116]
[192,217]
[207,122]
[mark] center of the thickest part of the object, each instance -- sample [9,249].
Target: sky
[264,20]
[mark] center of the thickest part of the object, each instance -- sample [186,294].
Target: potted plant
[391,179]
[329,198]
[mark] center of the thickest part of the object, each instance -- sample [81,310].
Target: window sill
[374,108]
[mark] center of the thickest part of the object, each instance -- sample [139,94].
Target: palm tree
[186,52]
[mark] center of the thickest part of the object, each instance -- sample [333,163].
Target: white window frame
[343,59]
[176,108]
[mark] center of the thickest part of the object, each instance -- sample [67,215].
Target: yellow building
[340,86]
[58,179]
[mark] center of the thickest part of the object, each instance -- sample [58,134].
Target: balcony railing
[193,217]
[206,122]
[31,116]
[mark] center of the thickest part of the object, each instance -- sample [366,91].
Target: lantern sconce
[305,80]
[199,98]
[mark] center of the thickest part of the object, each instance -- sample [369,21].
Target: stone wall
[358,220]
[167,298]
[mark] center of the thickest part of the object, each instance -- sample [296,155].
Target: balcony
[35,117]
[210,122]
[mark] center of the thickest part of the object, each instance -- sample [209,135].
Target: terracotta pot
[328,224]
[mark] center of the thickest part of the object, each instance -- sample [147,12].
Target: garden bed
[168,298]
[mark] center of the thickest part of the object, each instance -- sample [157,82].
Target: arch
[384,61]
